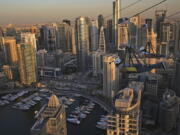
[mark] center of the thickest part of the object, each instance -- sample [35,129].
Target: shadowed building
[102,41]
[93,35]
[116,17]
[48,38]
[97,57]
[63,38]
[160,17]
[168,111]
[52,120]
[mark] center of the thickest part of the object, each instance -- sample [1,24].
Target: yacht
[82,115]
[73,116]
[101,127]
[73,120]
[87,112]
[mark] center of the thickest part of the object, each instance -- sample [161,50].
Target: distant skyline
[39,11]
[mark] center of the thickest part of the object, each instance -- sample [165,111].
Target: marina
[81,113]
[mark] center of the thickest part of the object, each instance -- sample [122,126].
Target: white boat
[101,127]
[74,116]
[87,112]
[71,100]
[73,120]
[82,115]
[6,102]
[102,123]
[14,107]
[2,103]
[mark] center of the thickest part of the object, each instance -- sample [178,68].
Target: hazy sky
[35,11]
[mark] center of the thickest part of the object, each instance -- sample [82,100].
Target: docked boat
[73,120]
[6,102]
[82,115]
[87,112]
[101,127]
[73,116]
[2,103]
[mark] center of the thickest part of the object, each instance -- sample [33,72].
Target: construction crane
[126,63]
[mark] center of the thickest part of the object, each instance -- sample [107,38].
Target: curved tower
[126,118]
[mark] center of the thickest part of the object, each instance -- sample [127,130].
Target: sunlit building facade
[110,75]
[27,63]
[10,50]
[29,38]
[126,119]
[52,120]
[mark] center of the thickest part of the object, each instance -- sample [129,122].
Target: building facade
[52,120]
[126,119]
[64,41]
[102,40]
[116,17]
[82,42]
[93,35]
[168,111]
[27,63]
[10,50]
[110,75]
[97,62]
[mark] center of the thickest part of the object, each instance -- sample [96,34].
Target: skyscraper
[48,38]
[109,31]
[102,41]
[116,17]
[97,62]
[100,21]
[29,38]
[73,39]
[94,35]
[134,31]
[52,120]
[63,37]
[126,119]
[123,30]
[27,63]
[151,36]
[110,75]
[165,33]
[160,17]
[10,50]
[82,42]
